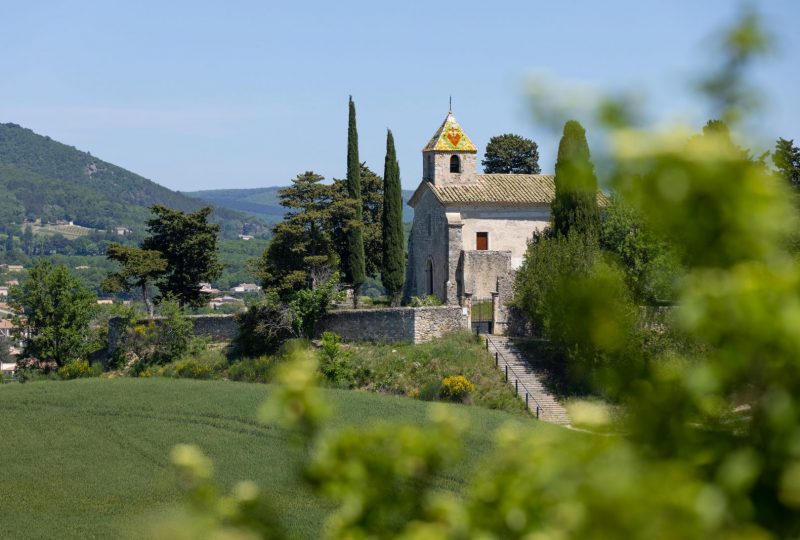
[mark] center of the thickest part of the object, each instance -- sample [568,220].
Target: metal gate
[482,321]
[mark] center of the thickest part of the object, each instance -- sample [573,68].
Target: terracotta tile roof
[450,137]
[507,189]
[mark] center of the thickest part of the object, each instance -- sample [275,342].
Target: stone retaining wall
[413,325]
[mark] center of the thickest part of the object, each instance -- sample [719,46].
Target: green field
[89,458]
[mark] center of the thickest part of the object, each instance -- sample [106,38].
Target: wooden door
[482,241]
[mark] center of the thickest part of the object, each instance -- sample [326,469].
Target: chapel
[471,230]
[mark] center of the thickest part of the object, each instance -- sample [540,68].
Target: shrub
[337,365]
[430,391]
[257,370]
[75,370]
[263,327]
[205,365]
[425,301]
[456,388]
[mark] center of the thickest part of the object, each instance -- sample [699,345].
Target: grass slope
[89,458]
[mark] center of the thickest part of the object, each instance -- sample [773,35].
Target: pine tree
[393,267]
[301,253]
[354,263]
[787,160]
[575,204]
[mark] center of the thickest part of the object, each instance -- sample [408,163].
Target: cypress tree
[393,264]
[575,204]
[354,265]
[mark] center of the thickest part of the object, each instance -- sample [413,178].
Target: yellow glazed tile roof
[510,189]
[450,137]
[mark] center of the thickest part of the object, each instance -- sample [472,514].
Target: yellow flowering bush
[456,388]
[75,370]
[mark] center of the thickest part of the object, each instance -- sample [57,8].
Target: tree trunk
[147,302]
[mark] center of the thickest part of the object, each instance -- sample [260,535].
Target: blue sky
[205,95]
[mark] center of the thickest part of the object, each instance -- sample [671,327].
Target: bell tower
[449,158]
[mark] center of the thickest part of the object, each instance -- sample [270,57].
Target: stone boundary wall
[389,325]
[413,325]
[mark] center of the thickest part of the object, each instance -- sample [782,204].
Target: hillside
[44,179]
[97,450]
[264,203]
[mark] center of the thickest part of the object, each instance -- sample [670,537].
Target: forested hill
[44,179]
[264,202]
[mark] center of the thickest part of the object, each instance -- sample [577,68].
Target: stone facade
[436,167]
[428,254]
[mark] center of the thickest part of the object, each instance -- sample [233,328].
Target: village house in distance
[471,230]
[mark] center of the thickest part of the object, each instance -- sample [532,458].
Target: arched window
[455,164]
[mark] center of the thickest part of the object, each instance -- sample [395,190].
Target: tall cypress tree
[575,204]
[393,264]
[354,264]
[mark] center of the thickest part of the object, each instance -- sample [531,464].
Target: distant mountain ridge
[265,202]
[41,178]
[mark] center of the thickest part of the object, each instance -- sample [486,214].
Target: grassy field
[89,458]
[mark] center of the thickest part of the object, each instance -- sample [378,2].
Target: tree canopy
[787,160]
[511,154]
[188,243]
[353,262]
[575,204]
[56,310]
[301,252]
[393,264]
[140,268]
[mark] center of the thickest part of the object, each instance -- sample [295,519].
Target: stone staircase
[528,383]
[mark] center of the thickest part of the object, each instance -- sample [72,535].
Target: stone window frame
[455,160]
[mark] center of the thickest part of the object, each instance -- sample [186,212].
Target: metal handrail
[528,392]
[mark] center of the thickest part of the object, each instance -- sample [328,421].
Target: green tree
[343,218]
[189,245]
[511,154]
[27,240]
[9,246]
[301,253]
[787,159]
[140,268]
[353,263]
[56,310]
[575,203]
[394,260]
[5,350]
